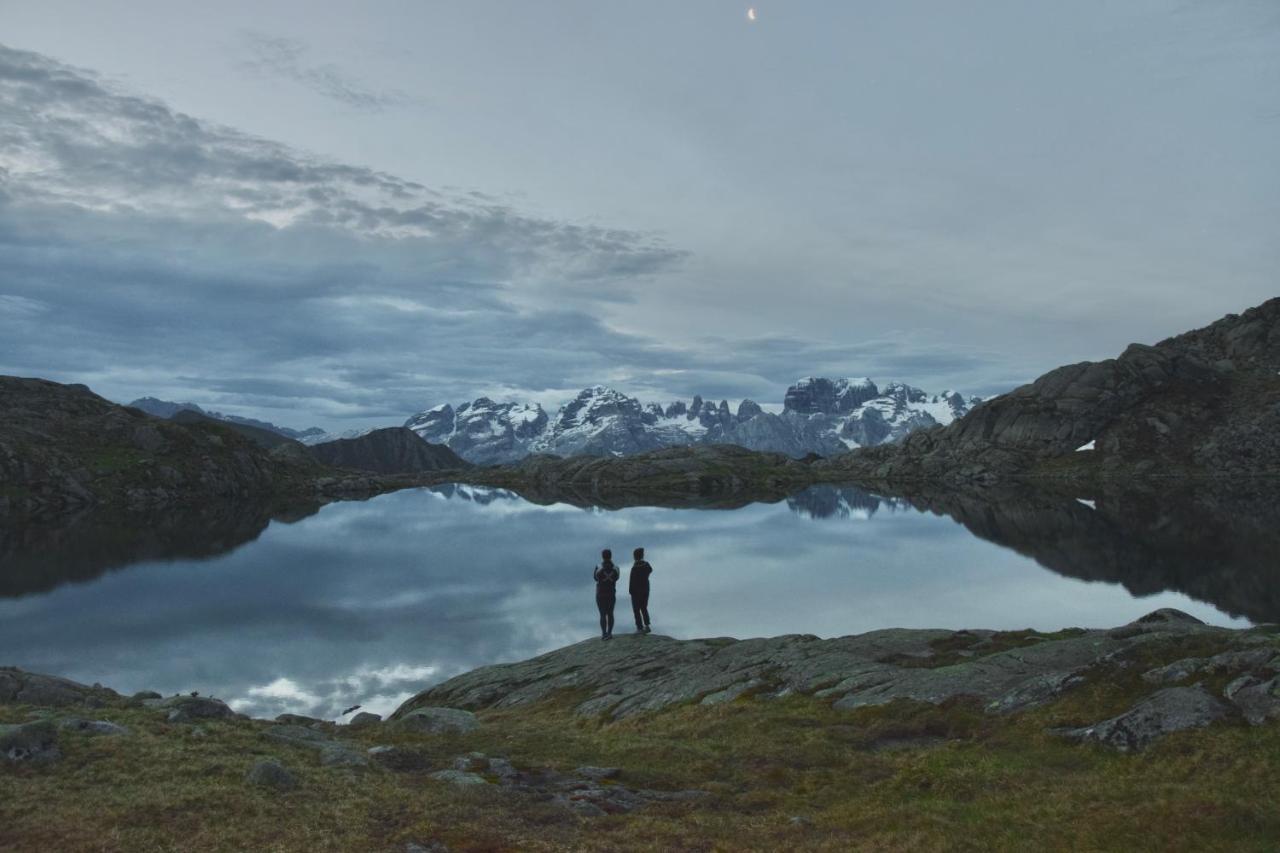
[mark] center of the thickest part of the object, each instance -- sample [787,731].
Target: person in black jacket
[606,575]
[638,586]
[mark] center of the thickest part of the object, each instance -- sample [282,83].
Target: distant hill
[262,437]
[167,409]
[394,450]
[62,447]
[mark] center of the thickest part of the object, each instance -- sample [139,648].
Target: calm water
[369,602]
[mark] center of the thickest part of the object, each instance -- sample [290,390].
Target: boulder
[364,719]
[1257,699]
[269,773]
[35,742]
[183,709]
[1173,709]
[93,727]
[438,721]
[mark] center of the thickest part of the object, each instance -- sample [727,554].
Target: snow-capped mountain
[482,431]
[821,416]
[320,437]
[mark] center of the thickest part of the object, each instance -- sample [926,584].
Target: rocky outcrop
[639,674]
[435,721]
[395,450]
[1205,403]
[30,688]
[1171,710]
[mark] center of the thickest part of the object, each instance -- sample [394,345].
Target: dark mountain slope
[1202,404]
[264,438]
[62,447]
[395,450]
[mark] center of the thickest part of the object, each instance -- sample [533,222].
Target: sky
[338,214]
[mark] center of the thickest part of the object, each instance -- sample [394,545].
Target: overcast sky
[340,213]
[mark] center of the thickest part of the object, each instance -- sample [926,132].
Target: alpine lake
[366,603]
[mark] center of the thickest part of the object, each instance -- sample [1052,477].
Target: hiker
[638,586]
[606,575]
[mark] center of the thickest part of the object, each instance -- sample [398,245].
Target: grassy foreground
[789,773]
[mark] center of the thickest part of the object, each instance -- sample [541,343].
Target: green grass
[905,776]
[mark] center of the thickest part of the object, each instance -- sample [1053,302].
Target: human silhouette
[606,575]
[638,586]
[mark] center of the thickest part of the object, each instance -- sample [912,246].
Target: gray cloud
[286,58]
[147,252]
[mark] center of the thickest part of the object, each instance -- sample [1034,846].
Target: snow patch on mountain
[818,415]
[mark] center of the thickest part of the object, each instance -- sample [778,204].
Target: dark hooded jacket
[638,582]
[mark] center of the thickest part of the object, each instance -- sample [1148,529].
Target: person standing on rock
[606,576]
[638,586]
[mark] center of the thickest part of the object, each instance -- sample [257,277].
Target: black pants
[604,603]
[640,607]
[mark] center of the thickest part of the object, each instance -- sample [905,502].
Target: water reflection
[367,602]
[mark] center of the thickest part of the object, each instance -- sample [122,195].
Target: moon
[751,14]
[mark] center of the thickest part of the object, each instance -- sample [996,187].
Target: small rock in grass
[458,777]
[93,727]
[295,734]
[270,773]
[341,756]
[598,773]
[587,809]
[503,769]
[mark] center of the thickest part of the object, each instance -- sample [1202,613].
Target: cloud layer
[146,251]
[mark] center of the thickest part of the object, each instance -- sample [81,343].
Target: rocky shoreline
[785,741]
[1005,672]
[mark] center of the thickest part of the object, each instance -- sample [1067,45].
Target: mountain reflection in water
[310,612]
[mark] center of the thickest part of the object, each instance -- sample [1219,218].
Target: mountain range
[167,410]
[822,416]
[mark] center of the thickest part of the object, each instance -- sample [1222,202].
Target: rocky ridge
[1202,404]
[639,674]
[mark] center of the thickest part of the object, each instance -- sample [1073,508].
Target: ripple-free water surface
[366,603]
